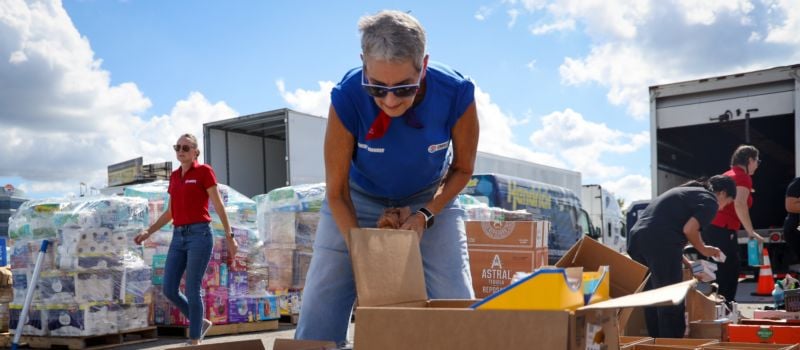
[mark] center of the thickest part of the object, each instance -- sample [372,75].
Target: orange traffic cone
[765,281]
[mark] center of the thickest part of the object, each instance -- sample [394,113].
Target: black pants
[727,272]
[665,263]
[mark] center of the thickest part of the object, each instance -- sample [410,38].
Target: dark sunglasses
[380,91]
[185,148]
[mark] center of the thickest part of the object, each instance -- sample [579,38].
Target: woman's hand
[416,223]
[141,237]
[709,251]
[758,237]
[233,247]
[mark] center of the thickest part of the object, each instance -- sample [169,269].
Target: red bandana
[379,126]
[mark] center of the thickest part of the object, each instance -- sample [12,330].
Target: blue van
[562,207]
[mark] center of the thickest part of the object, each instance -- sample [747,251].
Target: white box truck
[260,152]
[605,215]
[696,125]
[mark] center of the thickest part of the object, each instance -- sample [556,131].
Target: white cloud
[512,15]
[582,143]
[483,13]
[561,25]
[787,13]
[623,69]
[630,188]
[602,18]
[63,121]
[533,5]
[314,102]
[497,136]
[636,44]
[705,12]
[531,65]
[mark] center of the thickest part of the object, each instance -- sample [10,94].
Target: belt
[187,226]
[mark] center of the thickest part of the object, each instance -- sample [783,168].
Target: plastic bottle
[753,256]
[777,295]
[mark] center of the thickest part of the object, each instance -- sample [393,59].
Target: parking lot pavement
[285,331]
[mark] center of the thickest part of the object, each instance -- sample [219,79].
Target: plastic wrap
[225,281]
[92,270]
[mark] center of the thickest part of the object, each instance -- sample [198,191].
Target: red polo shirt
[188,195]
[727,217]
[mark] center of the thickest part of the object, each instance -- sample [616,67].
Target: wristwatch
[428,216]
[230,234]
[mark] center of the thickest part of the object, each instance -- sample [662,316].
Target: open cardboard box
[395,313]
[627,276]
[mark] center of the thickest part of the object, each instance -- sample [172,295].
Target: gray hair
[393,36]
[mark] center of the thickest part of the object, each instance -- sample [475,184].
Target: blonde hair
[193,140]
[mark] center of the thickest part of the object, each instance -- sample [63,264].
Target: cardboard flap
[387,266]
[627,275]
[668,295]
[251,344]
[292,344]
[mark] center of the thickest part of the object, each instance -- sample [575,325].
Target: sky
[85,84]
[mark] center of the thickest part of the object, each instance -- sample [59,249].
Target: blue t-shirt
[405,160]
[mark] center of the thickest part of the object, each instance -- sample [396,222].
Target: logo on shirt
[370,149]
[191,181]
[438,147]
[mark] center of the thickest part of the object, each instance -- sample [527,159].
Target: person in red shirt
[190,188]
[722,231]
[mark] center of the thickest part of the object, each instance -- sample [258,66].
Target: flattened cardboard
[252,344]
[292,344]
[387,266]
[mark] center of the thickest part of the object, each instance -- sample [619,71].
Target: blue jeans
[330,291]
[189,251]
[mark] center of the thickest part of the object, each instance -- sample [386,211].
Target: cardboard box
[252,344]
[291,344]
[709,330]
[627,342]
[673,344]
[700,307]
[750,346]
[764,333]
[776,315]
[507,234]
[627,276]
[390,282]
[492,270]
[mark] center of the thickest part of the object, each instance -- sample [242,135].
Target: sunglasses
[185,148]
[380,91]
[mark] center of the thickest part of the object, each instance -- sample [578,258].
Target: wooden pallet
[293,319]
[94,342]
[220,329]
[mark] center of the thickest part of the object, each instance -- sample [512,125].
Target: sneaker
[206,326]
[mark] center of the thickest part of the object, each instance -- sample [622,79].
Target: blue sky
[560,82]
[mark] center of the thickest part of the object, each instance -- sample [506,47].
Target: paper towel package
[34,324]
[133,316]
[82,319]
[92,266]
